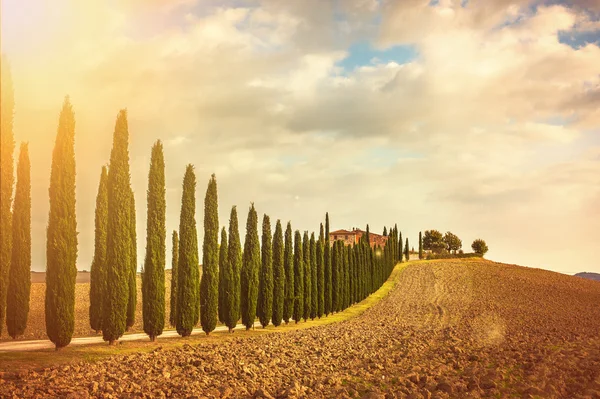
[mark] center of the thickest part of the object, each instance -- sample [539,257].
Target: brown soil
[449,329]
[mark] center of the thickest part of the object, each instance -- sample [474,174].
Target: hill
[589,276]
[449,328]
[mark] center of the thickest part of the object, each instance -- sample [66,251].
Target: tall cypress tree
[118,235]
[98,269]
[314,295]
[298,278]
[250,269]
[420,245]
[188,306]
[265,285]
[347,249]
[320,274]
[209,285]
[307,276]
[61,244]
[327,289]
[7,147]
[335,277]
[400,250]
[132,286]
[288,266]
[278,275]
[19,281]
[231,312]
[153,279]
[174,265]
[406,250]
[223,269]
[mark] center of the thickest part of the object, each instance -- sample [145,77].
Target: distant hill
[589,276]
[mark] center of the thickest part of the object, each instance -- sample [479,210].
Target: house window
[335,237]
[345,237]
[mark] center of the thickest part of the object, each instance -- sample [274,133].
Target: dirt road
[19,346]
[449,329]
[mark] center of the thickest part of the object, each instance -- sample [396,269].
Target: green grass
[15,362]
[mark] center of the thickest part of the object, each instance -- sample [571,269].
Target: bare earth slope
[459,329]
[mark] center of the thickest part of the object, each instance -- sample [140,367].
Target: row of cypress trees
[280,277]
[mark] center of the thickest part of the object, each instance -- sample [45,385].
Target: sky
[476,117]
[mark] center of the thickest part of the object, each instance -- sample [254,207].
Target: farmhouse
[350,237]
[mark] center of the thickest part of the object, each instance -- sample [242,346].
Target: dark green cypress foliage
[298,278]
[118,236]
[223,269]
[320,273]
[406,250]
[250,269]
[288,266]
[384,231]
[400,250]
[153,279]
[307,276]
[7,147]
[209,285]
[351,275]
[231,312]
[347,270]
[188,306]
[174,283]
[335,277]
[313,277]
[278,275]
[356,294]
[265,284]
[61,243]
[327,272]
[395,248]
[342,274]
[19,279]
[98,270]
[132,299]
[420,245]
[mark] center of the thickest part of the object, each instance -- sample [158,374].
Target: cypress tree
[420,245]
[400,250]
[307,276]
[265,284]
[153,279]
[98,269]
[188,306]
[118,235]
[231,312]
[327,272]
[313,277]
[406,251]
[278,275]
[347,274]
[288,266]
[132,286]
[19,281]
[298,278]
[320,274]
[61,244]
[223,269]
[7,147]
[250,269]
[209,285]
[396,255]
[174,263]
[335,277]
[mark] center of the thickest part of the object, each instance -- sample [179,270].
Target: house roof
[346,232]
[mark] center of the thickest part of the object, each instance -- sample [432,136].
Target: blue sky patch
[362,53]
